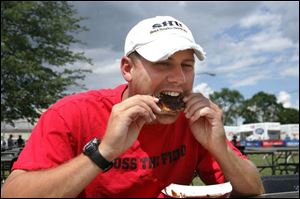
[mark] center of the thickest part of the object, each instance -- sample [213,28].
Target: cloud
[255,49]
[297,104]
[105,60]
[108,22]
[240,64]
[284,98]
[250,80]
[204,89]
[109,68]
[290,71]
[289,12]
[261,20]
[182,3]
[105,69]
[264,42]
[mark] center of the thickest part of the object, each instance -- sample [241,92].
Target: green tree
[35,48]
[289,116]
[248,114]
[262,107]
[231,102]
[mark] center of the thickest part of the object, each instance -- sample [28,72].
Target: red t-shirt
[161,155]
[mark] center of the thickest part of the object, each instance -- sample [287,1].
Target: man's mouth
[171,101]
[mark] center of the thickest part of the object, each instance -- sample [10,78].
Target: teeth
[171,93]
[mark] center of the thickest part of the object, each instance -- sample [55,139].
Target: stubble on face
[149,80]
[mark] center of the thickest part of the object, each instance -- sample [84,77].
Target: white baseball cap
[158,38]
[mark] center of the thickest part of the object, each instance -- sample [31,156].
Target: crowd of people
[11,142]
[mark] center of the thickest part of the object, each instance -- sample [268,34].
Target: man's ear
[126,68]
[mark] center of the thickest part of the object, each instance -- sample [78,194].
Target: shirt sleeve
[209,170]
[49,145]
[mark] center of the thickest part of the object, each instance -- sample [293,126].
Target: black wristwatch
[91,150]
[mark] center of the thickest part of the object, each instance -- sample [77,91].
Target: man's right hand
[125,122]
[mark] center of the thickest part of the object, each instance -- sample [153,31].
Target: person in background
[3,144]
[10,142]
[234,141]
[135,139]
[20,141]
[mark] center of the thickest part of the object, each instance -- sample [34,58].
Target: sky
[250,46]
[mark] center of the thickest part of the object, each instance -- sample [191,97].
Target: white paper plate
[205,191]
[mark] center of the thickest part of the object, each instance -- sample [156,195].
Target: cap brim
[162,48]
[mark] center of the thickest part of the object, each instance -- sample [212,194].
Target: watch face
[91,146]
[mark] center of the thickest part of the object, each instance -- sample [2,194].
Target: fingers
[139,106]
[199,106]
[143,100]
[137,112]
[125,122]
[195,102]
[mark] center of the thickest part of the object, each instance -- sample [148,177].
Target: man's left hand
[205,119]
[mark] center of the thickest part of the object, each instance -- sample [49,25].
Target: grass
[257,160]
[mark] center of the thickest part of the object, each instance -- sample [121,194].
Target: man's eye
[187,65]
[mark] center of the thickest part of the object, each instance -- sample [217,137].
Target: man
[20,141]
[3,144]
[10,142]
[143,148]
[234,141]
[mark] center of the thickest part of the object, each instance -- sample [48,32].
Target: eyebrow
[192,60]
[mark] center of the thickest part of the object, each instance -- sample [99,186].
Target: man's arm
[66,180]
[205,119]
[69,179]
[242,174]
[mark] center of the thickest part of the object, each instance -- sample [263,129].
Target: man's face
[173,76]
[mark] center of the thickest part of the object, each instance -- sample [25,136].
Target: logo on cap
[167,25]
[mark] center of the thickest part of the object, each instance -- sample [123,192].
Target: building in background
[289,132]
[264,134]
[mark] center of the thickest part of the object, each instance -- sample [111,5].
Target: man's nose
[176,75]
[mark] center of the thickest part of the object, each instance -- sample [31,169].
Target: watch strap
[91,150]
[101,162]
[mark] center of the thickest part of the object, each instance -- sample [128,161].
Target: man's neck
[125,94]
